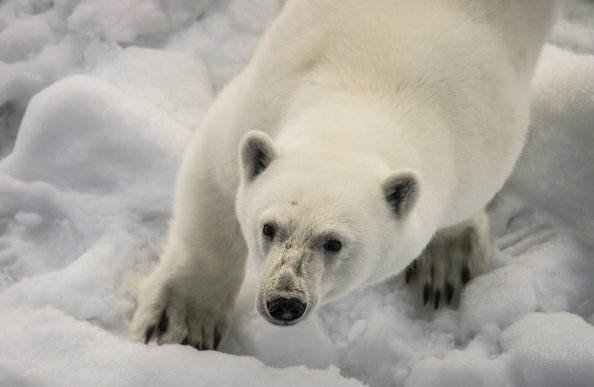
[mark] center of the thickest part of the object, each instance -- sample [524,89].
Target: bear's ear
[256,152]
[401,191]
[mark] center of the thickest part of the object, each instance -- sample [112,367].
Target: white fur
[350,92]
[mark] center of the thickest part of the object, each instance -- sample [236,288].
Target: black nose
[285,309]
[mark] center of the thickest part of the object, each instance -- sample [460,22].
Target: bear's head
[319,228]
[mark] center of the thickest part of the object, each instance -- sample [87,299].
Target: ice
[98,100]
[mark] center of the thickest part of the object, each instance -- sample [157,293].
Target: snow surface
[98,100]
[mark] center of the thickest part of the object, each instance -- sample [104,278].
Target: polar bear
[361,136]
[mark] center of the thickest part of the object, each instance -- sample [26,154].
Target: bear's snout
[285,311]
[288,288]
[286,282]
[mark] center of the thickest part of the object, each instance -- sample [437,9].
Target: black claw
[426,294]
[205,347]
[186,341]
[217,339]
[408,272]
[149,334]
[197,345]
[449,291]
[465,274]
[163,323]
[437,299]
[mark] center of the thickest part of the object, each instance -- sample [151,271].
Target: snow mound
[72,124]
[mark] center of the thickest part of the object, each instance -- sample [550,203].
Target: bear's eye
[268,230]
[333,245]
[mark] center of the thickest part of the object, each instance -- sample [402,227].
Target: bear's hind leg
[454,256]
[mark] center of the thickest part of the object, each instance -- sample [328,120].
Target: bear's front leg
[189,298]
[453,257]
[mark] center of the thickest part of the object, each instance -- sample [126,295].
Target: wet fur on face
[296,260]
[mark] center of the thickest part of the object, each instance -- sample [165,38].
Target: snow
[97,103]
[562,112]
[84,355]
